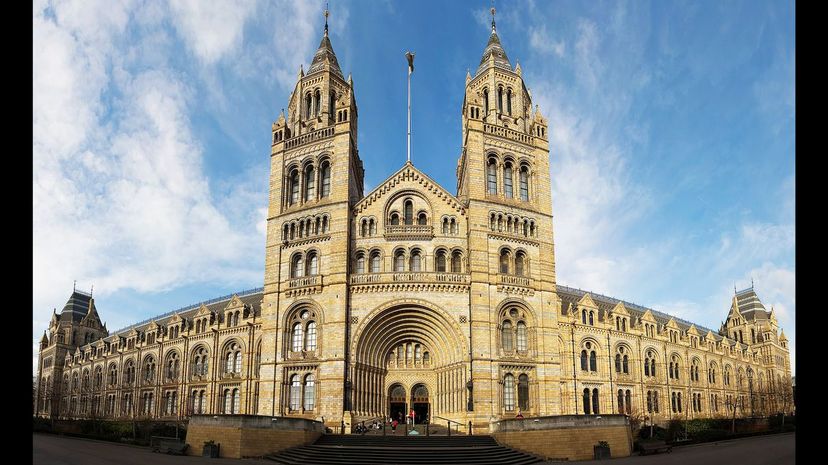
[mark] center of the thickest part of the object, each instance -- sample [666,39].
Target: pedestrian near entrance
[411,417]
[519,415]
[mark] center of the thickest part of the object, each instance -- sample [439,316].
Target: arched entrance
[397,407]
[419,403]
[407,343]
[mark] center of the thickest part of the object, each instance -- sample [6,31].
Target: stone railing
[409,277]
[515,280]
[305,281]
[309,137]
[508,134]
[409,231]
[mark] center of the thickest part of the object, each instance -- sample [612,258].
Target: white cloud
[212,29]
[540,41]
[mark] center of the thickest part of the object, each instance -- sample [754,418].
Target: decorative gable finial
[493,19]
[326,19]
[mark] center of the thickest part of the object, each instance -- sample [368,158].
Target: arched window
[375,262]
[620,401]
[309,183]
[523,392]
[595,409]
[491,176]
[415,261]
[296,345]
[395,219]
[310,337]
[113,375]
[618,363]
[521,336]
[584,362]
[409,212]
[626,364]
[486,100]
[520,258]
[441,261]
[591,318]
[325,175]
[295,392]
[399,261]
[149,370]
[507,180]
[500,100]
[360,263]
[455,262]
[308,105]
[310,392]
[331,104]
[171,367]
[294,187]
[509,392]
[628,401]
[313,264]
[504,261]
[317,102]
[593,365]
[297,266]
[422,219]
[584,316]
[586,402]
[506,336]
[509,102]
[445,226]
[454,227]
[524,183]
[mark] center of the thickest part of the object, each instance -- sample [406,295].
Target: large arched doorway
[419,403]
[397,407]
[409,343]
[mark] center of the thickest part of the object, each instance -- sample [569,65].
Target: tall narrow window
[317,102]
[310,337]
[325,175]
[509,102]
[308,105]
[331,106]
[416,261]
[422,219]
[486,101]
[309,184]
[375,262]
[409,212]
[455,262]
[524,183]
[504,261]
[297,266]
[593,366]
[441,261]
[399,261]
[313,264]
[595,409]
[360,263]
[506,336]
[297,337]
[507,180]
[521,336]
[310,392]
[523,392]
[586,402]
[491,177]
[295,392]
[620,401]
[584,362]
[500,100]
[395,219]
[294,187]
[519,263]
[509,392]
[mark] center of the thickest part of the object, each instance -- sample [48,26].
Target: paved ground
[49,449]
[774,449]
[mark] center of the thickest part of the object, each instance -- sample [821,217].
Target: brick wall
[567,437]
[249,435]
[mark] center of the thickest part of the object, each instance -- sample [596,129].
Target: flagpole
[410,57]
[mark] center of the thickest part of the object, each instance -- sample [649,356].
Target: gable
[410,178]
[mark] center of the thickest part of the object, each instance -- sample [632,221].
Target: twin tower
[410,297]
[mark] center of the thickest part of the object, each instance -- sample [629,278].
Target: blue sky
[671,133]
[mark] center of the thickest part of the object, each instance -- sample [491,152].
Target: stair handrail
[449,422]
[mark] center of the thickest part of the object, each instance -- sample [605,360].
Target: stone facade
[410,297]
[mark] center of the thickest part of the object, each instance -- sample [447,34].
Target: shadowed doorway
[397,407]
[419,402]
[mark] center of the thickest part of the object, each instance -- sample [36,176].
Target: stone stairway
[391,450]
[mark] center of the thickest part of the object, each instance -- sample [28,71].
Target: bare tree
[734,403]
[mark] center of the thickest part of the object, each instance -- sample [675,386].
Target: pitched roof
[494,49]
[76,307]
[323,53]
[572,295]
[750,306]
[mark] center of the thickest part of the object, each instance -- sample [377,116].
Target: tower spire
[326,19]
[493,20]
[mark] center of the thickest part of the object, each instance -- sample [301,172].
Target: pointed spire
[45,339]
[325,56]
[518,69]
[301,71]
[350,81]
[494,29]
[468,76]
[326,19]
[494,55]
